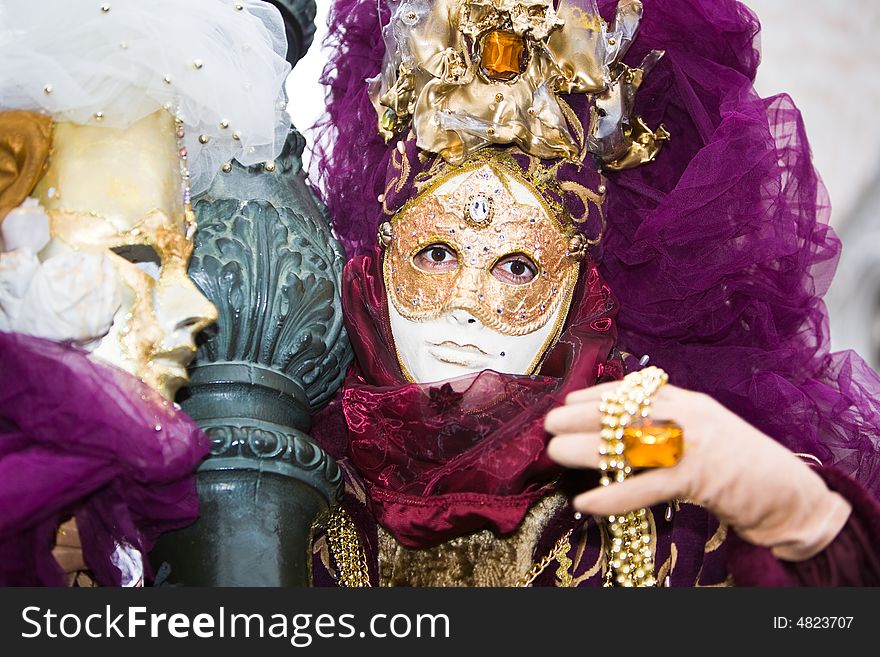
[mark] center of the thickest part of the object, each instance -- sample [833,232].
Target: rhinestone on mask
[479,210]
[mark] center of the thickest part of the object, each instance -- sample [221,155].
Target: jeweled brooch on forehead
[479,210]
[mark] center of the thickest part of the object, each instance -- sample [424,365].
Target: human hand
[758,487]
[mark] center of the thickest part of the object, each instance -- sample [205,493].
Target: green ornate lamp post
[266,258]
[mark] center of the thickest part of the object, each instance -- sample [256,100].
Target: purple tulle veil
[81,438]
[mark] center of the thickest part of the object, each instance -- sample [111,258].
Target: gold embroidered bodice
[478,559]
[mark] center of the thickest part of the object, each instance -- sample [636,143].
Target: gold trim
[717,539]
[581,549]
[561,318]
[347,551]
[404,170]
[591,571]
[494,159]
[321,549]
[588,196]
[343,544]
[559,553]
[578,126]
[668,565]
[352,484]
[400,162]
[727,582]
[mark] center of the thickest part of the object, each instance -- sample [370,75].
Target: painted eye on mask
[436,258]
[515,269]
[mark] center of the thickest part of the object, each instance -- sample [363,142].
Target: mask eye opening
[523,269]
[137,253]
[437,257]
[142,256]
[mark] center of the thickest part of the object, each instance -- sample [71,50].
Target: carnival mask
[479,274]
[116,194]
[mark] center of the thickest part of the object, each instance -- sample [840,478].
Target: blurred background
[824,56]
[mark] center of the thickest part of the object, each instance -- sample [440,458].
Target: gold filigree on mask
[538,175]
[521,224]
[153,337]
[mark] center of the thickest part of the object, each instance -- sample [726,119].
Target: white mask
[114,194]
[458,344]
[479,275]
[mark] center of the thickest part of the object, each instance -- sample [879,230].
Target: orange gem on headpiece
[502,55]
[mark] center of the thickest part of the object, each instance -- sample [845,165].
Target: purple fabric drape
[81,438]
[720,251]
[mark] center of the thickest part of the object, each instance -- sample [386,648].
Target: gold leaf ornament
[469,73]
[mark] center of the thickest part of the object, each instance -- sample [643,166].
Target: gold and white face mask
[479,274]
[118,193]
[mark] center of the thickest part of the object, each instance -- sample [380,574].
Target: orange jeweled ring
[653,443]
[630,439]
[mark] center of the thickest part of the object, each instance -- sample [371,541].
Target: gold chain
[631,561]
[351,560]
[559,553]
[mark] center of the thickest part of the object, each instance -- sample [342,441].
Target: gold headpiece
[468,73]
[533,172]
